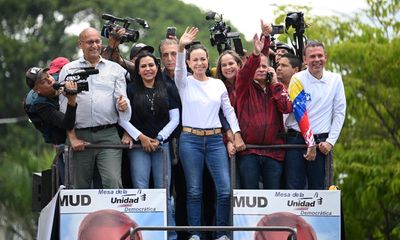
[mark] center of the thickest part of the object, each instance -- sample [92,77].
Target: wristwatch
[160,139]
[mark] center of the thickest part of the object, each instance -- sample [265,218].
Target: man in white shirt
[97,115]
[319,106]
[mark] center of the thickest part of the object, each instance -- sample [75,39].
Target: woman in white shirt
[201,141]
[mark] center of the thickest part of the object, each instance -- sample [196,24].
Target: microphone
[84,72]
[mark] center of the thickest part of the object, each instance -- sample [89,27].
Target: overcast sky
[246,17]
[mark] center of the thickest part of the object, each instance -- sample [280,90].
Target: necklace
[151,101]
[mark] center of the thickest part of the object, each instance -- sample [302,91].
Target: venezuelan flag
[298,98]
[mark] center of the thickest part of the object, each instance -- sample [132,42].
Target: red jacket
[260,113]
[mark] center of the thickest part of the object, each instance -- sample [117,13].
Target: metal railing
[132,231]
[68,151]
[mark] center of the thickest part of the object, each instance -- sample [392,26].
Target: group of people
[212,118]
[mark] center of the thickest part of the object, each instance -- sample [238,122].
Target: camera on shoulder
[111,27]
[221,35]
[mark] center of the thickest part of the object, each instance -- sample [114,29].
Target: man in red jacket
[261,101]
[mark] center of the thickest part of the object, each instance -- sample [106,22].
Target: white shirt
[202,100]
[98,106]
[326,104]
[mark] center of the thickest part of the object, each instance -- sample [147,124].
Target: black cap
[33,74]
[137,47]
[280,45]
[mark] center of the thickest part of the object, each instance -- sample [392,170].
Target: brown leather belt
[98,128]
[202,132]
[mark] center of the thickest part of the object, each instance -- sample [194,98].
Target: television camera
[296,21]
[221,35]
[111,27]
[80,77]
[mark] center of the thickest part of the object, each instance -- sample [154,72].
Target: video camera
[80,77]
[296,20]
[221,35]
[130,35]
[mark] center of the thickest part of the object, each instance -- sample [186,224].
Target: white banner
[314,213]
[100,213]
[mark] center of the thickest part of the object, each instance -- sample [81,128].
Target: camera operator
[97,115]
[41,105]
[111,52]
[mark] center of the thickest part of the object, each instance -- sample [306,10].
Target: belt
[294,133]
[97,128]
[202,132]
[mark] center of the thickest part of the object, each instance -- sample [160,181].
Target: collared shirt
[98,106]
[325,103]
[260,111]
[201,100]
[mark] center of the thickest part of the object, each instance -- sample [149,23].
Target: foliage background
[364,48]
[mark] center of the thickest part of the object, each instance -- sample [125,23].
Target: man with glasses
[97,115]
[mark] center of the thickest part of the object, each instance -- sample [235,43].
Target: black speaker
[41,190]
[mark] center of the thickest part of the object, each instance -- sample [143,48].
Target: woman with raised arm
[201,140]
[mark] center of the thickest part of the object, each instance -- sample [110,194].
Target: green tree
[32,33]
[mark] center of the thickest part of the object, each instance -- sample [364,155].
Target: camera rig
[111,27]
[79,76]
[296,20]
[221,35]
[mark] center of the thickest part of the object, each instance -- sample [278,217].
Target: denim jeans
[252,167]
[300,173]
[142,164]
[196,152]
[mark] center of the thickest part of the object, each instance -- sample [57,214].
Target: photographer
[41,105]
[97,115]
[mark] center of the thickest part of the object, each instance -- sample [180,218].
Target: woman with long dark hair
[155,115]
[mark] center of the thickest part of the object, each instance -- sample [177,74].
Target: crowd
[174,106]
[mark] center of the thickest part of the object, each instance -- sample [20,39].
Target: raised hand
[266,28]
[258,44]
[187,38]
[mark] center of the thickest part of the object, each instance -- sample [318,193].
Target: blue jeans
[300,173]
[142,164]
[196,152]
[252,167]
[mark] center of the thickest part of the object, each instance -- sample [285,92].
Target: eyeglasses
[91,42]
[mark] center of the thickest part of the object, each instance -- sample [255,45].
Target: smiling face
[198,62]
[147,70]
[90,43]
[315,59]
[229,67]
